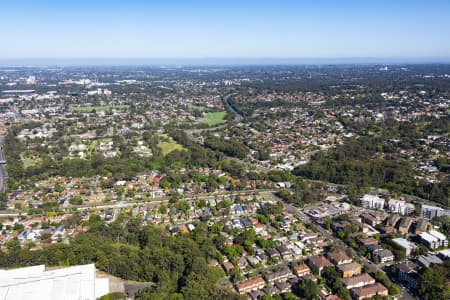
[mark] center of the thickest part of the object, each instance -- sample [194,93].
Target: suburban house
[250,285]
[369,291]
[350,269]
[302,270]
[318,263]
[339,257]
[358,281]
[408,272]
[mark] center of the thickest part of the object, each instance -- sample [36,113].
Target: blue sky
[225,29]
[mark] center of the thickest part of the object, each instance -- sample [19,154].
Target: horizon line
[152,61]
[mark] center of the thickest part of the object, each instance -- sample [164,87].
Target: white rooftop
[77,283]
[404,243]
[437,234]
[428,237]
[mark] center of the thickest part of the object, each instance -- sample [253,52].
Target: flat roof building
[429,212]
[405,245]
[371,201]
[76,282]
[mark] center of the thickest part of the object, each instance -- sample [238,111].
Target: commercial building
[37,282]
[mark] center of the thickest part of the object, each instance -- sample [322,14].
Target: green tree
[308,289]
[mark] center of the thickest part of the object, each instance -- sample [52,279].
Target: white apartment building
[400,207]
[372,201]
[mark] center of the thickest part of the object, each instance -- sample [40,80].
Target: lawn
[169,145]
[215,118]
[29,159]
[91,108]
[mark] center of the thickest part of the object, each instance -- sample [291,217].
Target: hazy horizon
[211,61]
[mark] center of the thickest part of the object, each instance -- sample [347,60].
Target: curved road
[238,118]
[3,175]
[226,101]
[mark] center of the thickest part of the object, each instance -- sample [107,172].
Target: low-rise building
[400,206]
[250,285]
[368,241]
[228,267]
[369,291]
[280,276]
[302,270]
[406,245]
[339,257]
[318,263]
[420,226]
[405,224]
[393,220]
[443,241]
[379,254]
[75,282]
[372,201]
[273,253]
[429,240]
[433,239]
[428,260]
[285,253]
[350,269]
[358,281]
[429,212]
[408,273]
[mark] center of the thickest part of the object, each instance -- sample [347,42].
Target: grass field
[29,160]
[169,146]
[91,108]
[215,118]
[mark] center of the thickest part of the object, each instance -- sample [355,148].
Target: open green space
[91,108]
[29,159]
[215,118]
[169,145]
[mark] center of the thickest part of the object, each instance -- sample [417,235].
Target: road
[227,103]
[238,118]
[3,174]
[166,200]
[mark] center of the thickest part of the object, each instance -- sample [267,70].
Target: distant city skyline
[233,31]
